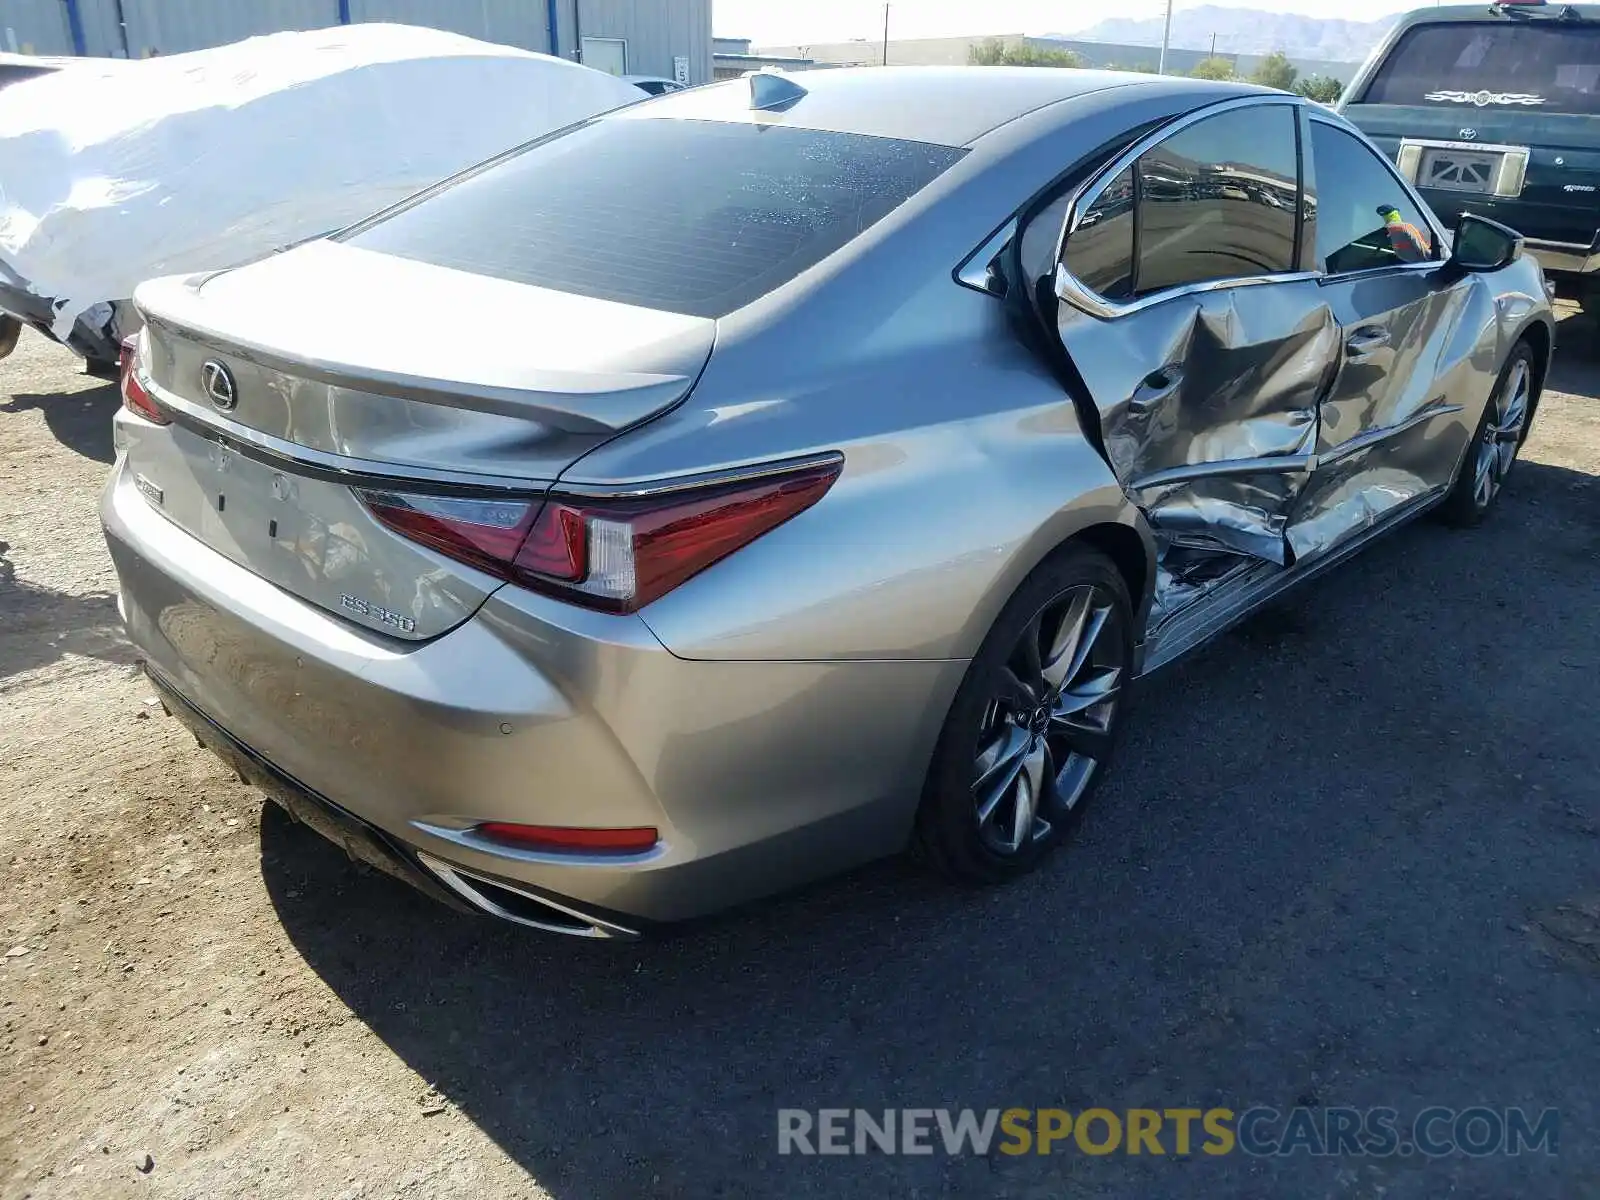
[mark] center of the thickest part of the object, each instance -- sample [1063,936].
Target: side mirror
[1484,245]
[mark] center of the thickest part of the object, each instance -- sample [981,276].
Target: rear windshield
[1537,64]
[696,217]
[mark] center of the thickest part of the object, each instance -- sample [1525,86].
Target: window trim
[1440,238]
[1084,298]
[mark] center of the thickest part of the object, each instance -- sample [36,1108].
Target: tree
[1324,89]
[995,52]
[1275,71]
[1213,68]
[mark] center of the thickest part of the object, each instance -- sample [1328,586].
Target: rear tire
[1495,443]
[1032,728]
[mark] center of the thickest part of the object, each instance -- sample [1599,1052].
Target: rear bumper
[759,775]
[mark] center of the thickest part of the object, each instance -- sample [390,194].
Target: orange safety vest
[1405,239]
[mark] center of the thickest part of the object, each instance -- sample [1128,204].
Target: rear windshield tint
[695,217]
[1530,65]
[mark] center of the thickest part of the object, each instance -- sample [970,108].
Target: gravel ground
[1351,856]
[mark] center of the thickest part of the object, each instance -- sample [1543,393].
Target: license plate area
[1459,170]
[1465,167]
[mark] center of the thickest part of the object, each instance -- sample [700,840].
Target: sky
[796,22]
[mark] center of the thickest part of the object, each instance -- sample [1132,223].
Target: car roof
[1511,14]
[952,106]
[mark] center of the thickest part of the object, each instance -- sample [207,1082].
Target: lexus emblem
[1468,134]
[218,383]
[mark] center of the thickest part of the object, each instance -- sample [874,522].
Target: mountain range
[1247,31]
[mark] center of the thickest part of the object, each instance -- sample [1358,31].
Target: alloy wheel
[1048,727]
[1502,434]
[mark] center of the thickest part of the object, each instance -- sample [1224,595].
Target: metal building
[669,38]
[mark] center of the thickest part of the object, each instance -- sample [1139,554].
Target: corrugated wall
[656,31]
[34,27]
[509,22]
[173,26]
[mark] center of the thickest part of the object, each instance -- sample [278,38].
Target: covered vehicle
[860,442]
[1495,109]
[112,172]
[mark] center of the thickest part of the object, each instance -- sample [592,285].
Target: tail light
[612,553]
[134,397]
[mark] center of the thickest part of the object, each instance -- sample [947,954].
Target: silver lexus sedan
[779,474]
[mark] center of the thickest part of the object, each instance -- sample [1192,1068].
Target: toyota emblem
[1468,134]
[218,383]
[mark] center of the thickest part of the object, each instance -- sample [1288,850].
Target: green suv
[1496,110]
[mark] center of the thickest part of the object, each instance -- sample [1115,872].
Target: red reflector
[557,837]
[134,398]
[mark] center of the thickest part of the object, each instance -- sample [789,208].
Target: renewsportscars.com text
[1259,1131]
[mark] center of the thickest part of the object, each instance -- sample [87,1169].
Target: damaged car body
[862,438]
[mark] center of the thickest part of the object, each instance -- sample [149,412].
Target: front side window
[1532,65]
[693,217]
[1217,200]
[1365,219]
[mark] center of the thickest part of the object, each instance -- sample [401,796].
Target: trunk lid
[300,375]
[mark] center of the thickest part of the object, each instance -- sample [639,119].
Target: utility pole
[886,35]
[1213,53]
[1166,36]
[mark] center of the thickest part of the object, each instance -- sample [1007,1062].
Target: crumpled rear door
[1208,407]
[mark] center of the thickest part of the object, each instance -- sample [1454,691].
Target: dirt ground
[1351,855]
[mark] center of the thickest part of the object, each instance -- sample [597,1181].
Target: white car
[115,172]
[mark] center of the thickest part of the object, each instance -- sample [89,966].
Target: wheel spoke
[1086,693]
[1099,618]
[1069,637]
[1505,455]
[1082,734]
[1029,668]
[998,764]
[1029,781]
[1483,476]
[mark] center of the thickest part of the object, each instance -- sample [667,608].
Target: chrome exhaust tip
[510,903]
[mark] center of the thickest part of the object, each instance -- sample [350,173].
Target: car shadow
[81,421]
[1308,881]
[38,625]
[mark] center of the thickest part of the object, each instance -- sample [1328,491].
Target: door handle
[1364,341]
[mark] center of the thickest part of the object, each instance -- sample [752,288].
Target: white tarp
[114,172]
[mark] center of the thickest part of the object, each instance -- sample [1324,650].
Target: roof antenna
[772,91]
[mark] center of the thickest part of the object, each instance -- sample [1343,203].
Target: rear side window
[1215,201]
[695,217]
[1100,251]
[1528,64]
